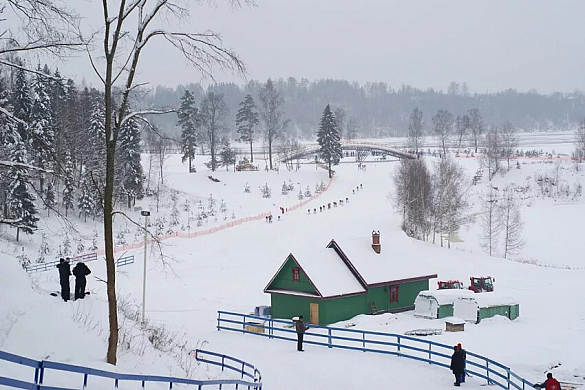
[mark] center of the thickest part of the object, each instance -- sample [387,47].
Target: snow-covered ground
[228,270]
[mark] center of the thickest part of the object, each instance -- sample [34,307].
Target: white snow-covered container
[438,303]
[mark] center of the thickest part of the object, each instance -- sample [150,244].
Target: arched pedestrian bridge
[312,149]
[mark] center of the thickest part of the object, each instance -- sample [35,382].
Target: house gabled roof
[333,271]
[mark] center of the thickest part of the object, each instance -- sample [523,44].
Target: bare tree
[490,222]
[579,154]
[415,129]
[449,198]
[128,28]
[493,155]
[414,197]
[271,114]
[462,124]
[476,127]
[212,112]
[512,224]
[352,129]
[509,141]
[443,127]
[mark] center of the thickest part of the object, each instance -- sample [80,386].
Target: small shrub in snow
[246,188]
[121,238]
[266,191]
[222,206]
[284,189]
[300,195]
[67,245]
[308,193]
[80,246]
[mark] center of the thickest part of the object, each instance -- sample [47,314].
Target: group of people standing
[80,271]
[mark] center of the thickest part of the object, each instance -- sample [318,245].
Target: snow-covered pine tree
[132,176]
[328,139]
[222,206]
[41,129]
[284,189]
[20,199]
[95,157]
[67,245]
[68,180]
[50,198]
[21,101]
[188,120]
[227,155]
[246,119]
[85,203]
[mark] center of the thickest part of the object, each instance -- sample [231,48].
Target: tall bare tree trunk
[251,151]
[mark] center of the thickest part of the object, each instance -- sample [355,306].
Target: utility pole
[145,214]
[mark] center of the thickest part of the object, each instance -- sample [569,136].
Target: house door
[314,308]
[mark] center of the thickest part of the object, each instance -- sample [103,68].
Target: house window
[394,294]
[296,274]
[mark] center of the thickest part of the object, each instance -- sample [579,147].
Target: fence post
[508,372]
[398,337]
[222,362]
[116,383]
[364,341]
[430,355]
[487,371]
[218,319]
[242,370]
[244,325]
[41,366]
[329,337]
[85,380]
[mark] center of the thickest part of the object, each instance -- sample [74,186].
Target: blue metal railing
[41,267]
[43,368]
[378,342]
[223,361]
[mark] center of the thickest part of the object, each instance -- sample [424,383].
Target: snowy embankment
[228,270]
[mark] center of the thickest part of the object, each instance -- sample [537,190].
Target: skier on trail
[457,364]
[549,384]
[300,328]
[80,271]
[464,361]
[64,273]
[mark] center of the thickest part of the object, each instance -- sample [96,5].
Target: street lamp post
[145,214]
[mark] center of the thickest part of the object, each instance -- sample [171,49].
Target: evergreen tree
[85,203]
[20,200]
[50,198]
[132,176]
[21,102]
[96,147]
[188,121]
[227,155]
[68,180]
[41,128]
[246,119]
[328,139]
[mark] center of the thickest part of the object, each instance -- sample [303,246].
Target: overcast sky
[491,44]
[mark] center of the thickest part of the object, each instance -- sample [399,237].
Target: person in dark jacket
[301,328]
[457,364]
[549,384]
[80,271]
[464,361]
[64,273]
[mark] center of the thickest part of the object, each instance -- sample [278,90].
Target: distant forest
[380,110]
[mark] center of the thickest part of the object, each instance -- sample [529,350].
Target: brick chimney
[376,241]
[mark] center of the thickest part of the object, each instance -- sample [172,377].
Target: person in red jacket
[549,384]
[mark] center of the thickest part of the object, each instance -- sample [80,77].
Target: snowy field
[228,270]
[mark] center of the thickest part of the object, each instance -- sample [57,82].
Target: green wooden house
[331,284]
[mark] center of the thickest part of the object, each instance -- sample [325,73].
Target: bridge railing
[431,352]
[43,369]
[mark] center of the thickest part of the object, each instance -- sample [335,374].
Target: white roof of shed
[446,297]
[488,299]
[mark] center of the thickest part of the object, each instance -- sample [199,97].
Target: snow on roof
[327,271]
[446,297]
[393,263]
[454,320]
[487,299]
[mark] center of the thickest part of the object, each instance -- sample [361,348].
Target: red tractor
[482,284]
[449,285]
